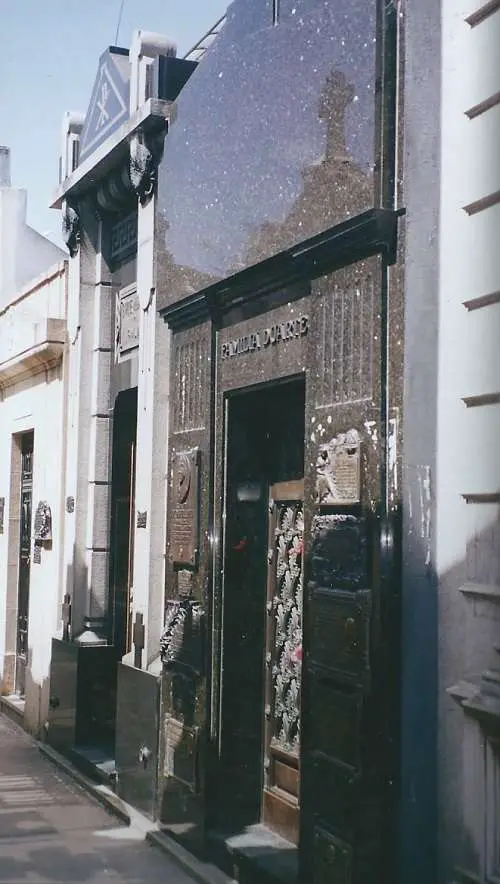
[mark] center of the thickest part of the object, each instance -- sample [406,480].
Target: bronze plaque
[2,511]
[340,632]
[338,470]
[336,724]
[340,552]
[181,745]
[184,516]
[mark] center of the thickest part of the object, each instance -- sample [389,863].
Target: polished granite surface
[272,141]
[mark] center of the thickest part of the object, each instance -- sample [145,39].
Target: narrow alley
[51,831]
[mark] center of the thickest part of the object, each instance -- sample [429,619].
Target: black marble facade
[276,139]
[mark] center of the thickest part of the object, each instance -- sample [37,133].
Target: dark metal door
[281,795]
[123,560]
[123,518]
[24,561]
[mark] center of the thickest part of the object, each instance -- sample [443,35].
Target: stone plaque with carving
[43,522]
[184,517]
[338,470]
[127,322]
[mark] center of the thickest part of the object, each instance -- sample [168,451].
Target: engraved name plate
[184,517]
[127,312]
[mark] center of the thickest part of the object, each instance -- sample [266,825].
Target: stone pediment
[109,104]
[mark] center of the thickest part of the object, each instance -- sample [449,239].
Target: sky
[49,54]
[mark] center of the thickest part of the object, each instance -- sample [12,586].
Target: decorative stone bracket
[71,229]
[143,166]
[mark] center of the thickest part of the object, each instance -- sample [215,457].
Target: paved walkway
[52,831]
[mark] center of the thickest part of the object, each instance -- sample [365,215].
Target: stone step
[256,856]
[96,763]
[13,706]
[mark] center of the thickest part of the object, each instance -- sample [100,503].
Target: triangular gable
[109,104]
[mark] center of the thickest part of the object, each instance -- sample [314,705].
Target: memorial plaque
[127,322]
[338,470]
[184,516]
[142,519]
[43,522]
[70,504]
[37,554]
[340,551]
[2,513]
[181,745]
[184,584]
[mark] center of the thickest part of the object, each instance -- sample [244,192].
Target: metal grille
[287,645]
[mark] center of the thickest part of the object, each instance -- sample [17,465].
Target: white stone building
[451,585]
[32,413]
[114,523]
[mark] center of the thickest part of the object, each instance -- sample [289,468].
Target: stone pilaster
[149,542]
[99,445]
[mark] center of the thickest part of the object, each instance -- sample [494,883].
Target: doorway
[260,738]
[122,518]
[23,591]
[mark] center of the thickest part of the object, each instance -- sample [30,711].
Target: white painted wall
[34,401]
[24,253]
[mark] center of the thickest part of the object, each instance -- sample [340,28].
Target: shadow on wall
[37,690]
[448,636]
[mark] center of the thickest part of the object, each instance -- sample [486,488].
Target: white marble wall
[467,481]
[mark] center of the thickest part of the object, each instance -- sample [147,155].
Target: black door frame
[24,560]
[270,387]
